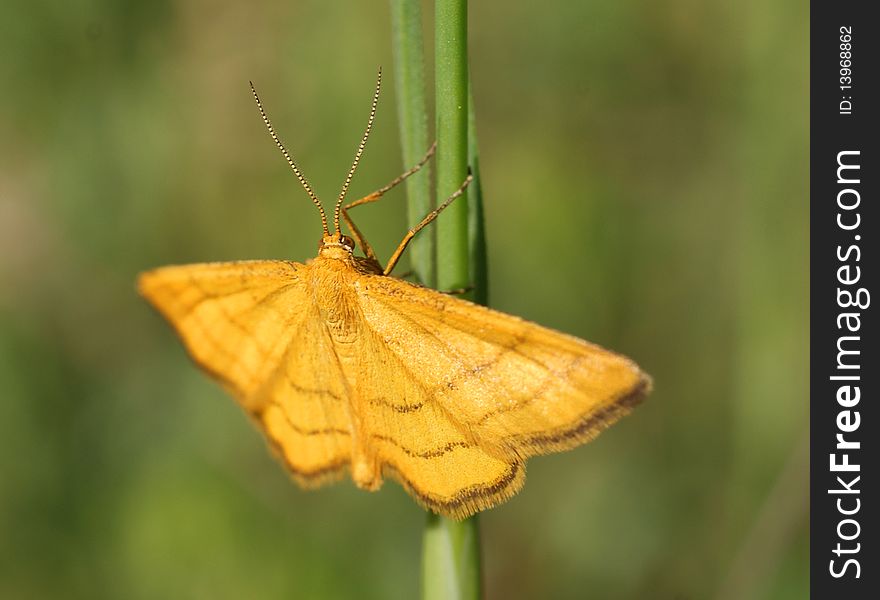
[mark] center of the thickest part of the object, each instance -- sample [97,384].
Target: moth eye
[348,242]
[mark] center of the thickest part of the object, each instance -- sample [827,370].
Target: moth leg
[424,222]
[459,291]
[355,232]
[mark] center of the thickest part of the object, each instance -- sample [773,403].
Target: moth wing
[251,326]
[404,433]
[478,391]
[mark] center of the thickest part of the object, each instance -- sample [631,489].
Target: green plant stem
[451,553]
[409,73]
[479,267]
[451,559]
[451,106]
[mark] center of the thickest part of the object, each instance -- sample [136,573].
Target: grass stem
[451,565]
[409,74]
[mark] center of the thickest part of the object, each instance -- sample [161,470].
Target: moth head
[336,245]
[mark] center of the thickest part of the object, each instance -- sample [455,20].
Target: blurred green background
[645,172]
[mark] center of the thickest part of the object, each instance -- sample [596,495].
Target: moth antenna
[289,160]
[360,151]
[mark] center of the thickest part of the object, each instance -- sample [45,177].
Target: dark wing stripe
[302,430]
[539,393]
[435,453]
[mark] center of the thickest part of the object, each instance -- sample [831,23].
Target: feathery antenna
[293,166]
[357,156]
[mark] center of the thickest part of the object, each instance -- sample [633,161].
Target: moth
[344,367]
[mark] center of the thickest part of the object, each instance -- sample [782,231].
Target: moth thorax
[336,307]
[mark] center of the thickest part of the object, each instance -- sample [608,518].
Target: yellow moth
[344,367]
